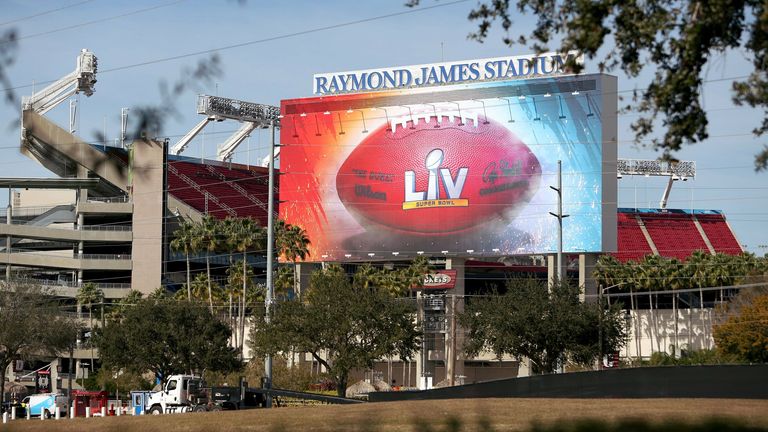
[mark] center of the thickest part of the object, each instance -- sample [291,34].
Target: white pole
[103,411]
[72,412]
[5,417]
[119,408]
[270,241]
[87,412]
[42,414]
[13,413]
[57,416]
[29,416]
[559,215]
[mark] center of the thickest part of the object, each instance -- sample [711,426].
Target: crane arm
[184,141]
[228,148]
[82,80]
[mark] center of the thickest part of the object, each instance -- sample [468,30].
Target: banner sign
[452,170]
[43,381]
[440,279]
[458,72]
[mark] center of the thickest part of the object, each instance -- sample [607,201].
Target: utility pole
[452,359]
[559,215]
[69,377]
[270,253]
[600,328]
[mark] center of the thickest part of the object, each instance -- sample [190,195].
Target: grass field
[447,415]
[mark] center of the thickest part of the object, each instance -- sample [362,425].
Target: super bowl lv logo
[431,198]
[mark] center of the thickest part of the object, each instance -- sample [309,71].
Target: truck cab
[177,395]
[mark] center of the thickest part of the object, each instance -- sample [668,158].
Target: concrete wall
[721,381]
[654,331]
[148,214]
[609,117]
[44,197]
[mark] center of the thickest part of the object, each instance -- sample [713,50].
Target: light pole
[559,215]
[270,240]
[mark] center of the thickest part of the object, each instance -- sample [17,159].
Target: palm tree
[291,242]
[245,233]
[698,270]
[646,276]
[130,299]
[229,229]
[199,286]
[89,294]
[183,241]
[207,236]
[283,282]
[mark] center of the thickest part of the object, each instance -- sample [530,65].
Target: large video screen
[457,170]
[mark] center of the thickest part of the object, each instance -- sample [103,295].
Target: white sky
[123,33]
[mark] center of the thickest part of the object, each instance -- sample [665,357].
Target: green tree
[744,330]
[31,324]
[89,295]
[245,292]
[284,281]
[545,325]
[166,337]
[207,237]
[130,300]
[677,39]
[396,281]
[244,234]
[353,324]
[184,241]
[292,243]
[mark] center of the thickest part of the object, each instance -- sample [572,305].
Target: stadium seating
[673,233]
[719,233]
[228,191]
[632,244]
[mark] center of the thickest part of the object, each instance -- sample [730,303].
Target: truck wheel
[156,410]
[47,414]
[216,408]
[199,408]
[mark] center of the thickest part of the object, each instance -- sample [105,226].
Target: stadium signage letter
[427,75]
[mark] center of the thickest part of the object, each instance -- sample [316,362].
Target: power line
[49,11]
[260,41]
[98,21]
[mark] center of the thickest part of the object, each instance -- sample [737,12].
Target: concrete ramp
[62,152]
[59,214]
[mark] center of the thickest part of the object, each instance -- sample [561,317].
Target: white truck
[46,404]
[179,394]
[185,393]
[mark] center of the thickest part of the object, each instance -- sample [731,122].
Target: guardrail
[75,255]
[102,256]
[107,200]
[25,211]
[82,228]
[65,284]
[106,228]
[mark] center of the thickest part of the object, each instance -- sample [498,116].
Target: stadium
[108,214]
